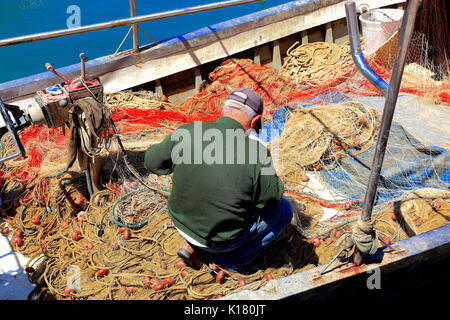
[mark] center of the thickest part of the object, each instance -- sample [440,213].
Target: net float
[304,178]
[5,231]
[69,291]
[76,235]
[78,199]
[268,276]
[169,281]
[122,229]
[80,216]
[35,220]
[240,283]
[220,276]
[180,264]
[130,291]
[148,281]
[102,272]
[338,233]
[437,204]
[158,286]
[17,241]
[315,241]
[184,273]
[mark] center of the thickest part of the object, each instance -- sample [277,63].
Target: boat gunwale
[410,254]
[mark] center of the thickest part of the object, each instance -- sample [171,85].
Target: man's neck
[241,119]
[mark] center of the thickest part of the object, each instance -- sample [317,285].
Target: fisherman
[226,200]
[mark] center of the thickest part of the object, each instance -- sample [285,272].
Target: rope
[114,206]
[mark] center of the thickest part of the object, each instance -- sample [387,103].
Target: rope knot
[363,236]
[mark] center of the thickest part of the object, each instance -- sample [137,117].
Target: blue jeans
[239,253]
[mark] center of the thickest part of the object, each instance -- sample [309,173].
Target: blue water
[23,17]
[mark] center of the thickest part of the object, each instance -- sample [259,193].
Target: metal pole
[357,54]
[134,27]
[123,22]
[406,31]
[83,60]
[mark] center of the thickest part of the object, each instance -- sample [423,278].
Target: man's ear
[254,120]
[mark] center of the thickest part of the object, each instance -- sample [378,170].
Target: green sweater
[221,179]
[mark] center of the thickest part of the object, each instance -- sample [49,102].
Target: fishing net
[142,111]
[321,123]
[318,64]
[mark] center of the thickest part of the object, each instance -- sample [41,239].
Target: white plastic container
[378,25]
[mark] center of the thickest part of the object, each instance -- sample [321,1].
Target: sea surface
[24,17]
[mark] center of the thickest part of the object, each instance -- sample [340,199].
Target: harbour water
[23,17]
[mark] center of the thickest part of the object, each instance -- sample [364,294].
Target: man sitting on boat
[226,200]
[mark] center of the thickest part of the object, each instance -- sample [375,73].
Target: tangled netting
[324,134]
[421,77]
[145,110]
[121,244]
[275,89]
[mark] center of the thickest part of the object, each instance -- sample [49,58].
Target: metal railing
[133,20]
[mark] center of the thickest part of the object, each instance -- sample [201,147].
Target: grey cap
[249,98]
